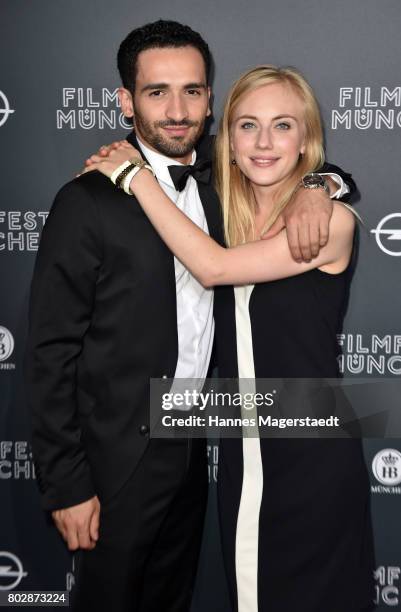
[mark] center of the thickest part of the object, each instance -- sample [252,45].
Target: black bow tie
[200,170]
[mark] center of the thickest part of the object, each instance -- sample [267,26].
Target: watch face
[313,180]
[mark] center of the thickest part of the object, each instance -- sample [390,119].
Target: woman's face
[267,134]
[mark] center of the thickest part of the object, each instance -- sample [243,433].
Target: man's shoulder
[86,192]
[87,186]
[77,202]
[91,198]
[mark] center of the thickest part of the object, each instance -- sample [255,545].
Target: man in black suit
[110,309]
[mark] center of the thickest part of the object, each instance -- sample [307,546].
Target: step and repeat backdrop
[58,103]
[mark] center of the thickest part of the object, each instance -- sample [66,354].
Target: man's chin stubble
[174,147]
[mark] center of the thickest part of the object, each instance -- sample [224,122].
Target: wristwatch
[315,181]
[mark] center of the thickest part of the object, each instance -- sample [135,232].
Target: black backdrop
[57,104]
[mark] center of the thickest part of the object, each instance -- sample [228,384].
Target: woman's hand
[109,158]
[104,151]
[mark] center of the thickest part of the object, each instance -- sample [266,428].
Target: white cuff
[118,171]
[128,179]
[343,188]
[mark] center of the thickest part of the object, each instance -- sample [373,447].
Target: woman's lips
[264,162]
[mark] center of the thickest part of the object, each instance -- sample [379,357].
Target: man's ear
[209,110]
[126,102]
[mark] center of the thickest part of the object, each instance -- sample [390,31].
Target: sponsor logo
[20,230]
[11,571]
[6,343]
[387,591]
[370,354]
[85,108]
[364,108]
[388,235]
[386,467]
[16,460]
[5,109]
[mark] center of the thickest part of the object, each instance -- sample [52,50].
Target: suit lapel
[207,193]
[211,206]
[134,142]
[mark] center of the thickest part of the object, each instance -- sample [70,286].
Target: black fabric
[347,178]
[150,535]
[315,534]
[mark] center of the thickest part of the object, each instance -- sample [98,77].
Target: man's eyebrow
[195,86]
[153,86]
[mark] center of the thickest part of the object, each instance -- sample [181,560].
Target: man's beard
[173,147]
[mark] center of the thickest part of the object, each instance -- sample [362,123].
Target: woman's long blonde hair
[234,188]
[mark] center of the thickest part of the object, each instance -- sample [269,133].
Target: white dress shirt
[342,190]
[195,324]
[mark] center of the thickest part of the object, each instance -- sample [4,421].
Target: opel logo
[384,235]
[11,571]
[5,109]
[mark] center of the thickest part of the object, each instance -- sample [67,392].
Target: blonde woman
[295,516]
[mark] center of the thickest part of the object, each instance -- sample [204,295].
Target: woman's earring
[234,163]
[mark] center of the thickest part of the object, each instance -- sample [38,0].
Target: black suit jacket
[103,321]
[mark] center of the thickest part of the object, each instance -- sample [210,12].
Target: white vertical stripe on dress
[247,533]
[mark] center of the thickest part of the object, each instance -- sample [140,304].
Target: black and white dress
[294,513]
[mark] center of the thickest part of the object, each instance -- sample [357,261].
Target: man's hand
[79,525]
[306,219]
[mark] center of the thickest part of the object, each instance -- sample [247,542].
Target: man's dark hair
[157,35]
